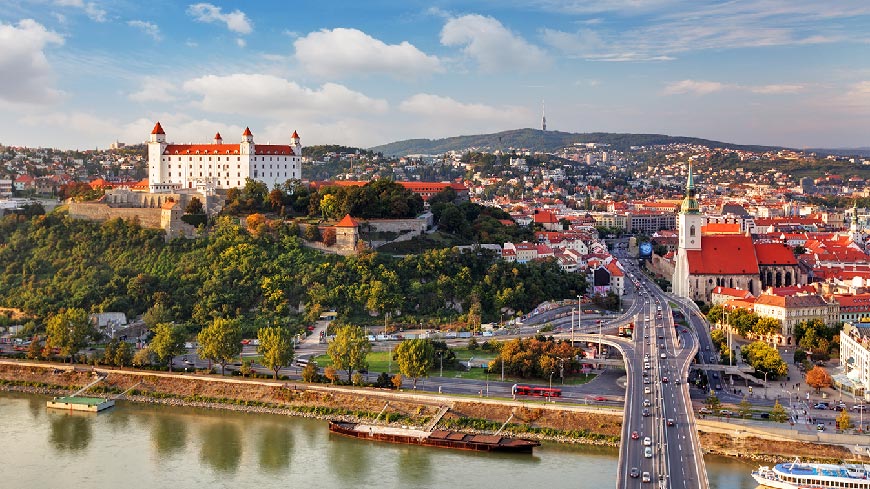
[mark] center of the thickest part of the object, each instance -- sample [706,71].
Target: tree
[123,354]
[309,372]
[819,378]
[194,206]
[220,342]
[69,330]
[168,342]
[156,314]
[397,381]
[745,408]
[844,422]
[246,369]
[34,350]
[357,379]
[712,402]
[331,374]
[415,358]
[778,413]
[348,349]
[276,346]
[142,358]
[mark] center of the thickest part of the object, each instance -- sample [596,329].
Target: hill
[545,141]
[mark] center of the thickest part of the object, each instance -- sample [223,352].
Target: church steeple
[690,203]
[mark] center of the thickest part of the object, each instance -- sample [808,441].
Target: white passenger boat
[797,475]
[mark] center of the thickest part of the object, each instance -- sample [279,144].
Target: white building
[207,167]
[854,359]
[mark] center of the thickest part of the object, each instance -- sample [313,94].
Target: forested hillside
[53,262]
[538,140]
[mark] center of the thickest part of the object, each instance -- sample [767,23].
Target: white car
[647,452]
[645,477]
[647,441]
[646,390]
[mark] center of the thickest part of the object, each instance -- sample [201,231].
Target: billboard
[646,249]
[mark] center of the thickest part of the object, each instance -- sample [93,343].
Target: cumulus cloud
[429,105]
[344,51]
[148,28]
[704,87]
[27,74]
[268,94]
[155,89]
[236,21]
[491,44]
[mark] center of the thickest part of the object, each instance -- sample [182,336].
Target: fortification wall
[95,211]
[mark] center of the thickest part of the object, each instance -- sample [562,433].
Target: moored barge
[437,438]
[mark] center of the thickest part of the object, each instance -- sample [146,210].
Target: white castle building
[209,167]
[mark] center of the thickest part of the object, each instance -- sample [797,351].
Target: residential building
[794,309]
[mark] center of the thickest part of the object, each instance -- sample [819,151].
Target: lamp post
[441,363]
[551,378]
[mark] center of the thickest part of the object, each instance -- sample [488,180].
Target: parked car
[705,411]
[821,405]
[859,407]
[726,412]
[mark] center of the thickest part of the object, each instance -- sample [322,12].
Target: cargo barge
[437,438]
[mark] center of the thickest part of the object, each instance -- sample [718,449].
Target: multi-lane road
[660,446]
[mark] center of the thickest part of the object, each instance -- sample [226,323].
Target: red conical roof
[218,136]
[347,222]
[247,132]
[158,129]
[295,135]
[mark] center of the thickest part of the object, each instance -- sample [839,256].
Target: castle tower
[296,144]
[218,139]
[246,147]
[156,147]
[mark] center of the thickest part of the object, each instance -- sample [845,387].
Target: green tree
[348,349]
[156,314]
[745,408]
[309,372]
[415,358]
[276,346]
[143,357]
[712,402]
[69,330]
[194,206]
[123,354]
[220,342]
[168,342]
[778,414]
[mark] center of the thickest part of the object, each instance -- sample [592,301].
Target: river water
[146,446]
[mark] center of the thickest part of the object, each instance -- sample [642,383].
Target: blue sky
[83,73]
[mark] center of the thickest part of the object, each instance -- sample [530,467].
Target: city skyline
[89,72]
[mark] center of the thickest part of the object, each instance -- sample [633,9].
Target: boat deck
[390,430]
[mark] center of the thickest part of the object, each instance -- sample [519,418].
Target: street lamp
[551,378]
[441,362]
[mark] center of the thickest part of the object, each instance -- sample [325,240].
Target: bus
[525,390]
[627,330]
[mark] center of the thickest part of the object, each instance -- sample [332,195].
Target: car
[646,380]
[821,405]
[664,380]
[715,375]
[647,390]
[647,452]
[599,398]
[646,366]
[634,435]
[647,441]
[718,387]
[820,427]
[663,355]
[705,411]
[645,477]
[670,421]
[677,381]
[726,412]
[634,473]
[646,403]
[859,407]
[645,413]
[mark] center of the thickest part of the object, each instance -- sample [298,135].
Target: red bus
[525,390]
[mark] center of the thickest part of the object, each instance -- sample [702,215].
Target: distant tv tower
[543,117]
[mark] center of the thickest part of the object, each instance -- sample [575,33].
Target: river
[147,446]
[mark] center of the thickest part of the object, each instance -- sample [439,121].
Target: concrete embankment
[546,421]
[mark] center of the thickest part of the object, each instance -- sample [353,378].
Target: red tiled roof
[727,254]
[247,132]
[158,129]
[545,217]
[774,254]
[720,228]
[739,293]
[347,222]
[225,149]
[295,135]
[614,270]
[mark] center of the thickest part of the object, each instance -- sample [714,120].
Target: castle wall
[96,211]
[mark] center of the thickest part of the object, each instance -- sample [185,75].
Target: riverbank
[528,419]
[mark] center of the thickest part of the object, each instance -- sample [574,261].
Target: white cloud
[241,42]
[26,72]
[429,105]
[777,89]
[91,9]
[155,89]
[697,87]
[704,87]
[492,45]
[236,21]
[148,28]
[275,96]
[344,51]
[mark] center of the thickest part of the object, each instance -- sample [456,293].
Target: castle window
[692,230]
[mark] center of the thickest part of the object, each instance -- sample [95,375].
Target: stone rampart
[96,211]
